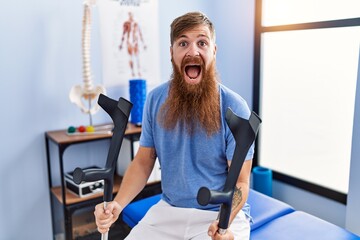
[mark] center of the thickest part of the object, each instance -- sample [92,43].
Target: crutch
[244,132]
[119,111]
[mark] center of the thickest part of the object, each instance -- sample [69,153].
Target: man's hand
[105,218]
[213,232]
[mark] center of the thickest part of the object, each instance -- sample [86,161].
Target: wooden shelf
[61,136]
[72,198]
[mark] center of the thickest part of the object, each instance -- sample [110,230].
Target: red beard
[192,105]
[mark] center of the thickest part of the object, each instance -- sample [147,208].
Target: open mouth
[193,71]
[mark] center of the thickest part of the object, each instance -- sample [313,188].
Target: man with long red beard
[184,127]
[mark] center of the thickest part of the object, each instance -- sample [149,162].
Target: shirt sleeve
[146,137]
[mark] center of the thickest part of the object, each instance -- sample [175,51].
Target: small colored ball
[90,129]
[81,128]
[71,129]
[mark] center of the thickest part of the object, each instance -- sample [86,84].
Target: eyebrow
[198,36]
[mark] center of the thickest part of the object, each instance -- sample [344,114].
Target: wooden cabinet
[63,199]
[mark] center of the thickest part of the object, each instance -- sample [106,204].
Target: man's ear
[171,51]
[215,48]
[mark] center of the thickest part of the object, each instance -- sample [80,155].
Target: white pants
[165,222]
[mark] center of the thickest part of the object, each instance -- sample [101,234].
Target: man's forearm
[241,192]
[132,183]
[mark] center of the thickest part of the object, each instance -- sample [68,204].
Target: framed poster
[129,41]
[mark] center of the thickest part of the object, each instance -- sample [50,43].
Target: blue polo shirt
[189,162]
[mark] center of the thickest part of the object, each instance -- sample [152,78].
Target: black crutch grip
[90,175]
[206,196]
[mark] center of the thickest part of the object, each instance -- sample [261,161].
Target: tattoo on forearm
[237,198]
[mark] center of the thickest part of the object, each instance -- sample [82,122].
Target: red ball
[81,128]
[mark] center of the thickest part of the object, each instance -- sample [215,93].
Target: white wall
[40,60]
[353,200]
[234,22]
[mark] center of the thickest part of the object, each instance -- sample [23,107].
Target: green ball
[71,129]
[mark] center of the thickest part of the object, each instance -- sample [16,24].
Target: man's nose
[193,50]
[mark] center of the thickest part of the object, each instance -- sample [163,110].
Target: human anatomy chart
[129,41]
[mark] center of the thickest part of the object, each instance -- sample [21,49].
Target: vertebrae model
[86,92]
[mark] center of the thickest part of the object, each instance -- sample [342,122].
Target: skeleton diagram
[86,92]
[132,36]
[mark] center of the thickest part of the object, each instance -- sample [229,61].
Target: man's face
[193,52]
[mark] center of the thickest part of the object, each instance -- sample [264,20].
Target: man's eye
[182,44]
[202,43]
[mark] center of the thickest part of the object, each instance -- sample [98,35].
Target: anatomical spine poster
[129,41]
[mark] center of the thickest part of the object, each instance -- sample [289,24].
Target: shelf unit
[69,201]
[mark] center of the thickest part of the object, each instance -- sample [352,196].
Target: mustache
[195,60]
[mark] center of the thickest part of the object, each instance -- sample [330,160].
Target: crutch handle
[92,175]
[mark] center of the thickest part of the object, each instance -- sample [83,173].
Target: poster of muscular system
[129,41]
